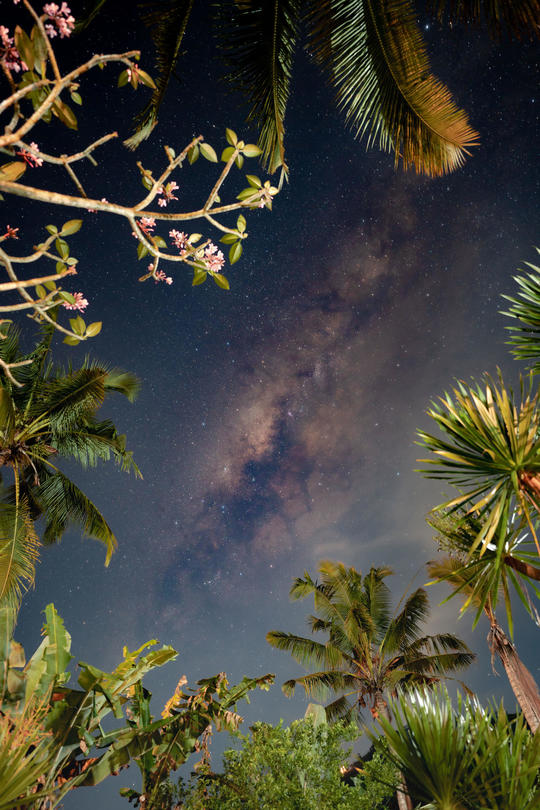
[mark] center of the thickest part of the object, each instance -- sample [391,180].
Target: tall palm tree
[492,456]
[47,413]
[369,653]
[451,569]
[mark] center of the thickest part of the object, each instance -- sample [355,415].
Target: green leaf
[52,229]
[77,325]
[64,295]
[123,78]
[13,170]
[193,154]
[62,247]
[60,267]
[71,341]
[64,113]
[94,329]
[221,281]
[231,136]
[146,79]
[160,242]
[229,238]
[227,154]
[253,181]
[50,285]
[241,223]
[235,252]
[40,48]
[25,47]
[76,98]
[239,161]
[194,238]
[71,226]
[57,651]
[208,152]
[251,150]
[142,250]
[199,277]
[246,193]
[40,291]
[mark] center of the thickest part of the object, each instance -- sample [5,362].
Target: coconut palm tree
[47,413]
[369,653]
[469,759]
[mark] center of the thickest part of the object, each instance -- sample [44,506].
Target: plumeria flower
[79,304]
[167,192]
[62,17]
[160,276]
[147,225]
[31,160]
[213,258]
[9,55]
[180,240]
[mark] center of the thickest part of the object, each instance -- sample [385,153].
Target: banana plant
[66,723]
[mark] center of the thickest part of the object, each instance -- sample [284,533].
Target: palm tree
[369,653]
[47,413]
[525,309]
[492,456]
[467,759]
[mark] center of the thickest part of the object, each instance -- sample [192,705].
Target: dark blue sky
[276,422]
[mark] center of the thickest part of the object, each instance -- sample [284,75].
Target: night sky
[276,422]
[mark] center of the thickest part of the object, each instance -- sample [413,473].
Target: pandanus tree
[48,413]
[481,583]
[471,758]
[369,653]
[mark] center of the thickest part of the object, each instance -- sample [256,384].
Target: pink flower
[147,225]
[160,276]
[11,232]
[79,304]
[180,240]
[62,17]
[167,192]
[9,55]
[31,159]
[213,258]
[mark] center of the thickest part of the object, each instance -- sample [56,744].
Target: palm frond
[67,400]
[123,382]
[258,40]
[377,61]
[95,441]
[167,22]
[19,551]
[519,18]
[319,684]
[403,629]
[525,310]
[341,709]
[63,503]
[307,651]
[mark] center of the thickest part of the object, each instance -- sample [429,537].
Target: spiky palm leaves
[369,652]
[52,414]
[525,309]
[469,759]
[491,455]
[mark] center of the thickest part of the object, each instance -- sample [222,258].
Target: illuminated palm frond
[519,18]
[525,309]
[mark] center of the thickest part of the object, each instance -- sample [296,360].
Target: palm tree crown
[47,413]
[369,651]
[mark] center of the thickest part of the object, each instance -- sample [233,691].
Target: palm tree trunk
[522,567]
[402,795]
[522,682]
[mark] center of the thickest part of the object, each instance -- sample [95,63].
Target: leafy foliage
[525,309]
[471,759]
[501,16]
[291,767]
[45,413]
[369,652]
[59,729]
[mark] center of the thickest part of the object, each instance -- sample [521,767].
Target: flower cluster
[9,55]
[213,258]
[180,240]
[159,275]
[167,192]
[61,16]
[80,303]
[11,233]
[147,225]
[31,160]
